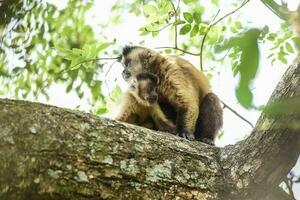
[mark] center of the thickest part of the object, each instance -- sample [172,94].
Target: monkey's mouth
[152,99]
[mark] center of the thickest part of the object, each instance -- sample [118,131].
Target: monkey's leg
[128,118]
[210,119]
[161,121]
[149,124]
[186,120]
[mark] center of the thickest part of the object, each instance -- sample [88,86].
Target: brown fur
[138,108]
[181,84]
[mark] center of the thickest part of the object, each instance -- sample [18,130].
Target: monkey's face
[136,60]
[144,88]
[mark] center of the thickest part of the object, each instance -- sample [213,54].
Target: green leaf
[101,110]
[104,46]
[244,96]
[188,17]
[188,1]
[185,29]
[69,87]
[238,25]
[233,30]
[247,66]
[216,2]
[149,9]
[296,41]
[271,37]
[194,31]
[179,22]
[63,52]
[264,31]
[197,17]
[115,93]
[167,7]
[168,51]
[77,51]
[282,58]
[289,47]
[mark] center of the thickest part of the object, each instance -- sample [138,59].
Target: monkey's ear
[150,55]
[119,58]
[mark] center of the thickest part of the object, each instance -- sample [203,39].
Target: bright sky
[234,128]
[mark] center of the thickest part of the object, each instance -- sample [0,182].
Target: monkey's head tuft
[127,49]
[136,59]
[144,88]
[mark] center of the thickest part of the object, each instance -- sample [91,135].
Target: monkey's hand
[187,134]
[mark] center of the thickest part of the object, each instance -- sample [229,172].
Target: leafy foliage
[248,62]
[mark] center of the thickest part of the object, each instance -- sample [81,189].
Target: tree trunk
[54,153]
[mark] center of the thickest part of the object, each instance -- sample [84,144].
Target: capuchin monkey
[139,104]
[182,86]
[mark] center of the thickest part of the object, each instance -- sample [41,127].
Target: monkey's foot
[187,135]
[208,141]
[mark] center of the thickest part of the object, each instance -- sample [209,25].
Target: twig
[230,13]
[213,24]
[182,50]
[175,18]
[167,25]
[203,39]
[105,81]
[289,185]
[236,113]
[92,60]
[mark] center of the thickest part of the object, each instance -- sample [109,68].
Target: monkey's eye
[151,88]
[128,63]
[132,86]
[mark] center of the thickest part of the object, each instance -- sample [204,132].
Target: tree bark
[54,153]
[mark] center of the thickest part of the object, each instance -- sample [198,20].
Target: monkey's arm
[161,121]
[127,112]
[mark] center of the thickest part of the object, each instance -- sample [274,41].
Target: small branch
[167,25]
[236,113]
[213,24]
[92,60]
[175,18]
[281,11]
[105,79]
[289,185]
[182,50]
[204,37]
[230,13]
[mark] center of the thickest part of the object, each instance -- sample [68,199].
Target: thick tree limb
[54,153]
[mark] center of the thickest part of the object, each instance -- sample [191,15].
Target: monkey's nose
[126,74]
[152,99]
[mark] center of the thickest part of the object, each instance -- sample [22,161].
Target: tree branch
[272,146]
